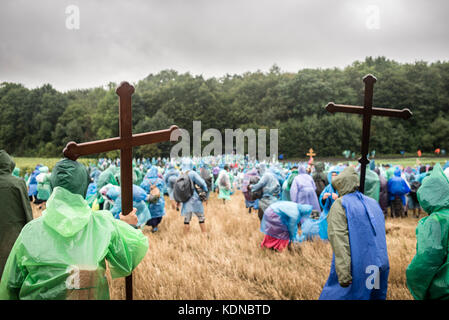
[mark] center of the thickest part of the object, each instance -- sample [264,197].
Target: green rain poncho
[372,184]
[428,273]
[63,253]
[15,209]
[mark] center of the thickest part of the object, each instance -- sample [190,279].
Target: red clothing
[277,244]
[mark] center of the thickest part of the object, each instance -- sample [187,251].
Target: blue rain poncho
[357,235]
[281,220]
[139,196]
[32,182]
[91,194]
[170,178]
[194,204]
[318,228]
[151,178]
[397,186]
[270,188]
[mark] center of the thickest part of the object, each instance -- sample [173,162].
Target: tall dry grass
[228,263]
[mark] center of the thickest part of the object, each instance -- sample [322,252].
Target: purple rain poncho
[303,189]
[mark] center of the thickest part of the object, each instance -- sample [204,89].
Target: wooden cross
[311,153]
[367,111]
[125,143]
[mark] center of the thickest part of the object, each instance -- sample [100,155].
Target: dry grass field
[228,263]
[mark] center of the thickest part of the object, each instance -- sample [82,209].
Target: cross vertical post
[367,111]
[125,91]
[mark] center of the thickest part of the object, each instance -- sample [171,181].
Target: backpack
[172,180]
[183,188]
[254,195]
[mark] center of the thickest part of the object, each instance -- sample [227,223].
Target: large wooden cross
[125,143]
[367,111]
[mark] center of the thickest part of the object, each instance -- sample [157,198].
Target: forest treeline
[40,121]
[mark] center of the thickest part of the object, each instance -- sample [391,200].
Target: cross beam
[367,111]
[124,143]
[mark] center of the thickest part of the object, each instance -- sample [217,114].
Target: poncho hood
[71,175]
[66,213]
[7,165]
[319,167]
[152,173]
[433,195]
[346,182]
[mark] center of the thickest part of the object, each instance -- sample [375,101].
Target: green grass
[28,164]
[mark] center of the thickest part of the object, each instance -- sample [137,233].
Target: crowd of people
[82,212]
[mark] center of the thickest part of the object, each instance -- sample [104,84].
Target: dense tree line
[40,121]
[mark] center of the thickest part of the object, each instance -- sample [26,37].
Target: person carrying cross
[62,254]
[356,231]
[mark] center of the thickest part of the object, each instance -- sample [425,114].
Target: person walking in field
[303,190]
[397,189]
[270,187]
[62,254]
[356,231]
[428,273]
[225,182]
[170,178]
[15,210]
[185,192]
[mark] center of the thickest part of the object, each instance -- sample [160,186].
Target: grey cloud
[127,40]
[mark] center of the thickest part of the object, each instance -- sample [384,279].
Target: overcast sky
[127,40]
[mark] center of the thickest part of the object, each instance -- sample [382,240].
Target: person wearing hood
[270,187]
[320,179]
[62,254]
[225,182]
[170,178]
[16,172]
[383,192]
[280,224]
[250,204]
[113,196]
[356,230]
[303,190]
[428,273]
[109,176]
[288,183]
[43,186]
[16,209]
[32,185]
[372,184]
[327,199]
[154,185]
[193,206]
[397,189]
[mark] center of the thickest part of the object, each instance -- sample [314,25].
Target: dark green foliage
[39,122]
